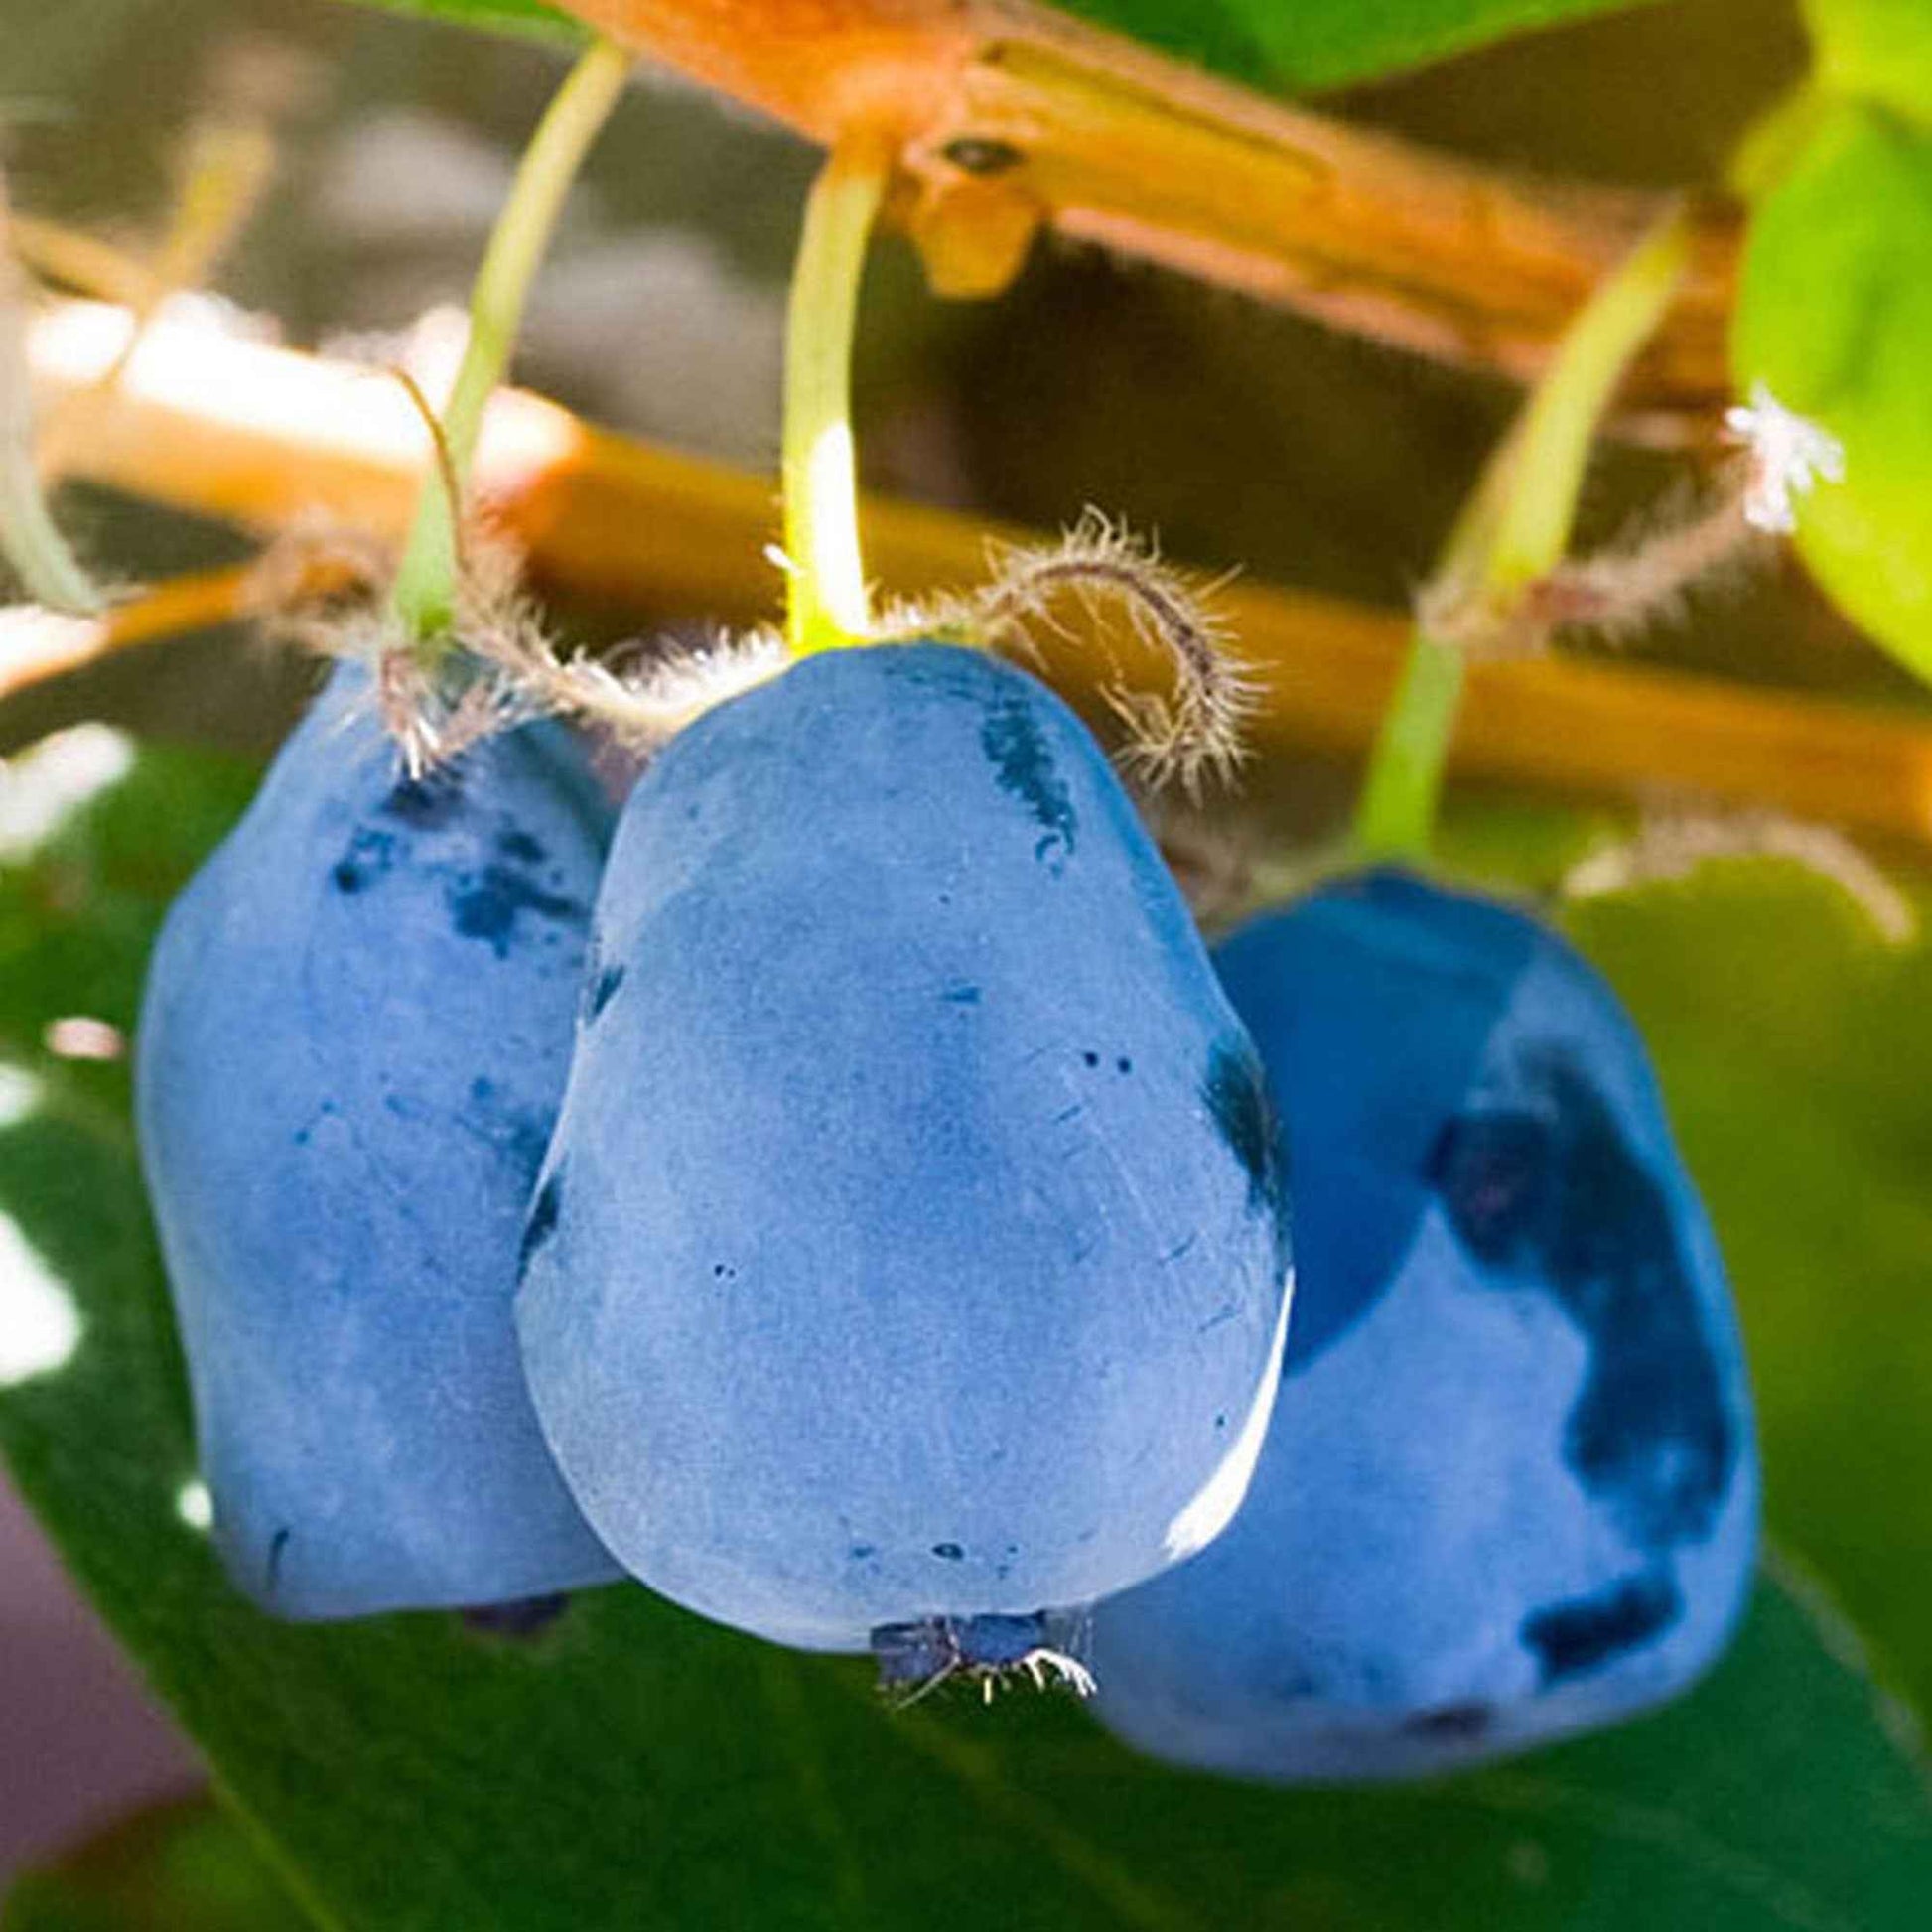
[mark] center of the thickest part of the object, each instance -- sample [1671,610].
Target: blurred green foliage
[180,1868]
[1834,317]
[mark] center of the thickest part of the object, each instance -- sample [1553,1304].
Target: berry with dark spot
[1510,1488]
[344,1100]
[1000,1302]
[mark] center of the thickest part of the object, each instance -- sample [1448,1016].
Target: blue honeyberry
[909,1246]
[352,1044]
[1510,1487]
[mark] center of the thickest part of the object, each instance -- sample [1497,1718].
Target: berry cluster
[847,1198]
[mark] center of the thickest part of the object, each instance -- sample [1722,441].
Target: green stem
[424,597]
[826,606]
[1512,533]
[47,570]
[1396,818]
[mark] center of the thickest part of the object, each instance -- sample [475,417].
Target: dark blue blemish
[426,802]
[995,1641]
[1236,1098]
[525,1141]
[1022,762]
[1090,1059]
[371,854]
[542,1223]
[949,1551]
[1575,1638]
[1452,1724]
[486,907]
[521,848]
[937,1647]
[863,1552]
[482,1090]
[961,994]
[1492,1171]
[605,989]
[1292,1685]
[1123,1065]
[277,1547]
[722,1270]
[1557,1200]
[519,1620]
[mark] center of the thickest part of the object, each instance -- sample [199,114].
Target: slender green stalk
[1559,421]
[424,597]
[1396,818]
[1513,532]
[826,606]
[47,570]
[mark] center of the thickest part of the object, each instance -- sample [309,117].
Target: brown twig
[36,644]
[266,436]
[1014,117]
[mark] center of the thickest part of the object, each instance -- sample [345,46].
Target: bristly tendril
[1189,736]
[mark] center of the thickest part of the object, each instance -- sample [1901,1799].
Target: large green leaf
[1796,1050]
[1294,45]
[1285,45]
[177,1866]
[524,17]
[1833,314]
[636,1766]
[1879,49]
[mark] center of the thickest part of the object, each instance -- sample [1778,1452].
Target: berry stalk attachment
[1511,536]
[29,537]
[826,602]
[424,594]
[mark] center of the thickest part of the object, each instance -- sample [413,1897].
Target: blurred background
[1239,435]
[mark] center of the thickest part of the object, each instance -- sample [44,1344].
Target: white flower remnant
[1788,454]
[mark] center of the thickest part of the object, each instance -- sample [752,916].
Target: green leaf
[1796,1051]
[526,18]
[1285,45]
[636,1766]
[177,1867]
[1833,315]
[1294,45]
[1881,50]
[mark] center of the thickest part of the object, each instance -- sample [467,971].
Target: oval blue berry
[909,1246]
[1510,1490]
[352,1044]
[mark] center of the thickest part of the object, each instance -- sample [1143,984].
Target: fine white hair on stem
[514,671]
[643,707]
[640,706]
[1675,841]
[1187,736]
[510,670]
[1691,539]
